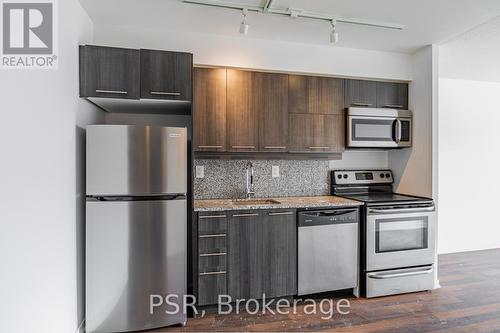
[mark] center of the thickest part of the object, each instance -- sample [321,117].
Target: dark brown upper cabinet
[392,95]
[360,93]
[209,109]
[166,75]
[315,95]
[316,133]
[109,72]
[270,99]
[242,116]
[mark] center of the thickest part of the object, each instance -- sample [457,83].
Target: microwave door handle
[395,130]
[398,131]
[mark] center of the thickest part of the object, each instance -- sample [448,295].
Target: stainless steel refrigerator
[136,228]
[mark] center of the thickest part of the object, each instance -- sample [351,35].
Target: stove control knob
[382,175]
[345,176]
[388,175]
[339,176]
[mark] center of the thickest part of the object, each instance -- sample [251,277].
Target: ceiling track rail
[267,9]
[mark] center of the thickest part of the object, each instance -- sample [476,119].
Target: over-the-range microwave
[378,128]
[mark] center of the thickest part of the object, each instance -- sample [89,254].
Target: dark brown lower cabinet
[212,257]
[316,133]
[262,249]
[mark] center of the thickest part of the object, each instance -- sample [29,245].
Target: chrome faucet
[250,189]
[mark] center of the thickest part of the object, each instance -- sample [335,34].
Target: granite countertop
[284,202]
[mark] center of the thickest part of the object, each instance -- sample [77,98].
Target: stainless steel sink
[255,202]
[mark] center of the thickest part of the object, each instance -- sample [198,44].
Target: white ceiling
[427,21]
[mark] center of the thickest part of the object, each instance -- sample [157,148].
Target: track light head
[334,35]
[244,25]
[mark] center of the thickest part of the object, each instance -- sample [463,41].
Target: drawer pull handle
[213,273]
[118,92]
[165,93]
[207,147]
[213,217]
[278,147]
[361,104]
[319,147]
[281,213]
[212,254]
[246,215]
[243,147]
[212,236]
[398,106]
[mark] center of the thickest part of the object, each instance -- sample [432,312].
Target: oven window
[372,130]
[392,235]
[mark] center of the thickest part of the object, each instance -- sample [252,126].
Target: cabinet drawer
[212,262]
[212,243]
[214,223]
[210,286]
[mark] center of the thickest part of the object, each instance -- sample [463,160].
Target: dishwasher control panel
[325,217]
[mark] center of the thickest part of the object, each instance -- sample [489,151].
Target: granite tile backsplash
[227,178]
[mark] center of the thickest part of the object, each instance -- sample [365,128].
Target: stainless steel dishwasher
[328,250]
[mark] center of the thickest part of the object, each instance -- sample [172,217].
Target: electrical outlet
[200,171]
[276,171]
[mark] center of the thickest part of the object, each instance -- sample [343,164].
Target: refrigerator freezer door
[134,249]
[136,160]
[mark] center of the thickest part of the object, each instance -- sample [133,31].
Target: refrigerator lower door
[135,250]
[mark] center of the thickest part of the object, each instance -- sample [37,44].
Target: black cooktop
[377,197]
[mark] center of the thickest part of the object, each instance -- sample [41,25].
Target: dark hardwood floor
[468,301]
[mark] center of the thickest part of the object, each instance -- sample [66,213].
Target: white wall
[469,85]
[413,167]
[468,165]
[246,52]
[41,193]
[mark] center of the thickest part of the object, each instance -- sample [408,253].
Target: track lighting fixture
[244,25]
[334,35]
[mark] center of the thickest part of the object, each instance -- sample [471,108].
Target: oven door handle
[381,276]
[373,211]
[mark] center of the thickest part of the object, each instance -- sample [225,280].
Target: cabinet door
[279,265]
[392,95]
[166,75]
[361,93]
[109,72]
[270,99]
[316,95]
[317,133]
[245,257]
[242,117]
[209,109]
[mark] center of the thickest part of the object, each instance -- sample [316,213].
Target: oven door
[378,132]
[400,237]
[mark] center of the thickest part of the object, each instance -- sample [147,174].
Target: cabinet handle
[210,146]
[213,236]
[243,147]
[212,254]
[246,215]
[118,92]
[278,147]
[281,213]
[361,104]
[398,106]
[319,147]
[165,93]
[213,217]
[213,273]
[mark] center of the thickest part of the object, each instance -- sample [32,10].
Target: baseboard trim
[81,327]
